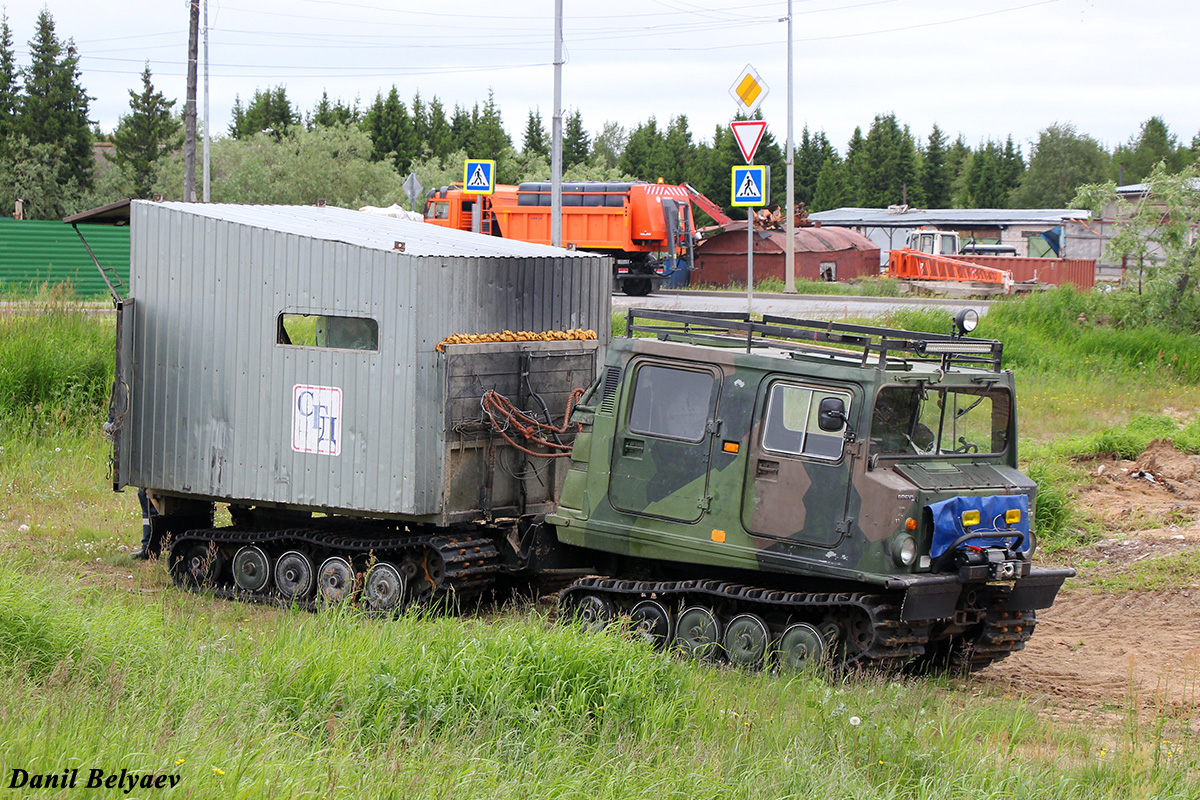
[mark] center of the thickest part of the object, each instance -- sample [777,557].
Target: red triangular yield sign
[748,133]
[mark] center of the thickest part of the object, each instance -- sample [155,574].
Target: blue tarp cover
[947,521]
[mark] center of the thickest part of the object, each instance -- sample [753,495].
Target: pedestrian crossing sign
[479,176]
[751,185]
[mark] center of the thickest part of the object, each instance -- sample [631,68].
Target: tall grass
[1072,333]
[56,364]
[253,702]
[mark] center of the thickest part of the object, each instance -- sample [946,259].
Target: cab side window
[790,424]
[671,403]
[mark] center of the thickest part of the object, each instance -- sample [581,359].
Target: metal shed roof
[815,239]
[1139,189]
[329,223]
[914,217]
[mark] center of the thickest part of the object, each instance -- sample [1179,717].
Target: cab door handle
[767,470]
[633,447]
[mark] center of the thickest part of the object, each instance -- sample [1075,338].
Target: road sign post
[750,187]
[748,91]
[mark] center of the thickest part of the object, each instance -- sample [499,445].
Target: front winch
[985,538]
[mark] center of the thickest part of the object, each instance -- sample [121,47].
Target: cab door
[663,444]
[798,480]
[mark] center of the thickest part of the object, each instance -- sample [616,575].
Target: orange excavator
[647,228]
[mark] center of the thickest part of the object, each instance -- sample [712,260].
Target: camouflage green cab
[808,489]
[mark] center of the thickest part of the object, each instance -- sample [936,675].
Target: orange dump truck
[646,227]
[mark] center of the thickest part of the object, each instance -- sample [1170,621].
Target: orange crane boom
[915,265]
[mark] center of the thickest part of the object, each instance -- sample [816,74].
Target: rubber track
[894,641]
[470,564]
[1004,632]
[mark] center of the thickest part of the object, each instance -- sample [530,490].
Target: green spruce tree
[10,88]
[831,186]
[269,111]
[638,158]
[488,137]
[53,108]
[936,173]
[327,113]
[143,136]
[576,146]
[535,141]
[439,142]
[391,131]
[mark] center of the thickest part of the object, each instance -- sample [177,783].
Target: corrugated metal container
[37,251]
[1077,271]
[821,253]
[222,406]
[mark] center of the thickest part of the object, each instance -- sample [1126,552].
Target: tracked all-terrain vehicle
[394,419]
[806,488]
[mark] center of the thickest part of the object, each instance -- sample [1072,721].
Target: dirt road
[1104,651]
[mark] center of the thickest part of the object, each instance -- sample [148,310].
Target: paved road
[808,306]
[811,306]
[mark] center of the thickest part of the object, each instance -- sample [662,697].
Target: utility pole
[556,143]
[189,109]
[206,165]
[789,253]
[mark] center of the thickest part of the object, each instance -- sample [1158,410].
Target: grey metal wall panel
[212,391]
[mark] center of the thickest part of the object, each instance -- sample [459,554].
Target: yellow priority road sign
[749,90]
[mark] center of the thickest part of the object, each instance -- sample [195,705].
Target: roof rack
[888,348]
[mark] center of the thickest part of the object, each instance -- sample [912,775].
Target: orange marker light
[730,447]
[910,524]
[718,536]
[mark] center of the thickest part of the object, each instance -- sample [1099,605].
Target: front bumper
[935,597]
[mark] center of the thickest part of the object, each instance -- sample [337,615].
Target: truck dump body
[629,221]
[228,400]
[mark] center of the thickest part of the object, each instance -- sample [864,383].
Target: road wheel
[698,634]
[746,640]
[637,287]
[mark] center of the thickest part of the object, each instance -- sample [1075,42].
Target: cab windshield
[923,420]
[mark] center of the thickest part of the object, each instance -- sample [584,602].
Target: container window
[327,330]
[671,403]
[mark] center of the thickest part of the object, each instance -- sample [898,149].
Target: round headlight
[906,552]
[966,320]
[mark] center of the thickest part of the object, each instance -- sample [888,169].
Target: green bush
[1055,514]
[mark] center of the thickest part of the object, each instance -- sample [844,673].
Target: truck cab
[934,242]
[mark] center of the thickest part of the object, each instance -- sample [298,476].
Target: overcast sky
[983,68]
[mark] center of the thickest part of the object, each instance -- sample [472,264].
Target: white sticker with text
[317,419]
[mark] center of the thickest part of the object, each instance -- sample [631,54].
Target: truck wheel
[638,287]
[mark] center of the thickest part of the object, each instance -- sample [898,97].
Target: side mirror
[831,414]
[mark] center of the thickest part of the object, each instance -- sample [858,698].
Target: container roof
[333,224]
[915,217]
[823,239]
